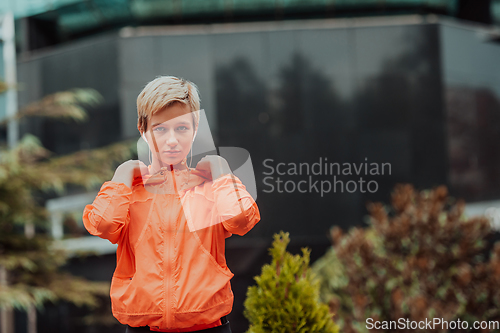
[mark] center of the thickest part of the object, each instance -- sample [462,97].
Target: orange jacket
[171,272]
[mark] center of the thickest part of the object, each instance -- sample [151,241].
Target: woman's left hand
[215,164]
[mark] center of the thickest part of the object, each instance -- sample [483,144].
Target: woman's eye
[158,129]
[182,128]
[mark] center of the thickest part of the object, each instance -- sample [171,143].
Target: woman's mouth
[172,152]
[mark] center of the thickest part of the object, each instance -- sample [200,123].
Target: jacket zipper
[167,275]
[168,261]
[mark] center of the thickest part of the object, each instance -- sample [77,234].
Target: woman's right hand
[127,171]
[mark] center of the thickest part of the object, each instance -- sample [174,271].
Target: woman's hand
[214,164]
[127,171]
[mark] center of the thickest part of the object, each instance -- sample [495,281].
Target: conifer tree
[30,264]
[286,297]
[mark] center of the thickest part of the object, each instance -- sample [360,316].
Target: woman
[170,221]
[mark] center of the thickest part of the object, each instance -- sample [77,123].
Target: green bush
[286,298]
[419,259]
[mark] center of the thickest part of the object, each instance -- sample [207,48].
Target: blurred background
[413,83]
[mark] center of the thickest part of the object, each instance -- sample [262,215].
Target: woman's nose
[171,139]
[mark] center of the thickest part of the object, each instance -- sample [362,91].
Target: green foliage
[64,105]
[32,263]
[286,298]
[420,258]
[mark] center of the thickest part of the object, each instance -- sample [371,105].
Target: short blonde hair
[162,92]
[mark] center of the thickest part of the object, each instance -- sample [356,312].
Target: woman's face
[173,132]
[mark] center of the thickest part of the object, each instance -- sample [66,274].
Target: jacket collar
[185,179]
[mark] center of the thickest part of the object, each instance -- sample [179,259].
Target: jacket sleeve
[108,216]
[237,211]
